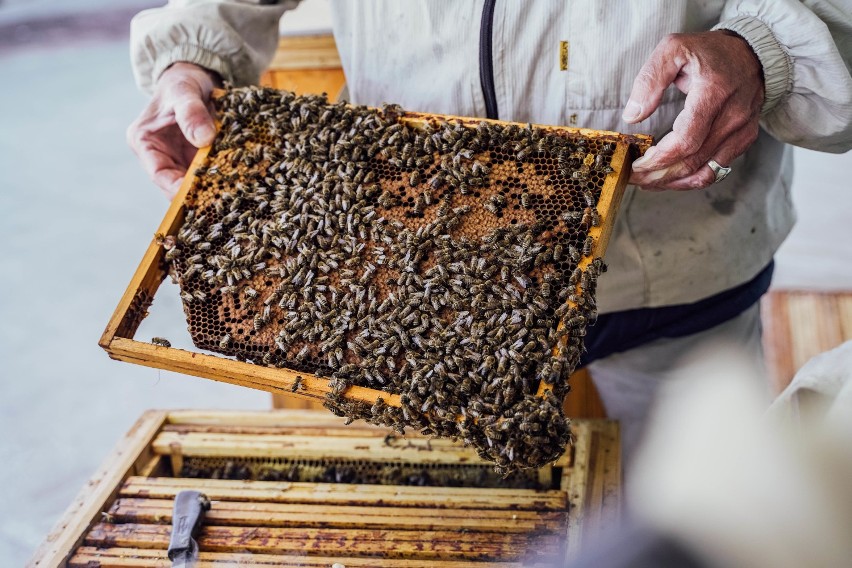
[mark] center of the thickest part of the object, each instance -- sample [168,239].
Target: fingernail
[659,174]
[631,111]
[643,162]
[204,134]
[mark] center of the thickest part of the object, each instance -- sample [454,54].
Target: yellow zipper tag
[563,55]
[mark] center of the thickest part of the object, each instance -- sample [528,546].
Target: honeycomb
[357,471]
[433,259]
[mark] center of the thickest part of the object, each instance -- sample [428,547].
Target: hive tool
[187,517]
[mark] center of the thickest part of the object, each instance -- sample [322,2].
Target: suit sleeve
[235,38]
[805,48]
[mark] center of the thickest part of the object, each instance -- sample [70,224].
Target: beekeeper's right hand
[176,122]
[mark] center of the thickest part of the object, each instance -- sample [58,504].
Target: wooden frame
[118,341]
[129,457]
[589,488]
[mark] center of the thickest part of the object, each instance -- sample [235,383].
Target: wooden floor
[798,325]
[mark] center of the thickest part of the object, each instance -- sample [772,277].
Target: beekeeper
[725,87]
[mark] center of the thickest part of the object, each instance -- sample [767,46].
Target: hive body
[269,508]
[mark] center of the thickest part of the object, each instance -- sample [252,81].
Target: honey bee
[595,218]
[524,153]
[557,252]
[572,217]
[574,254]
[498,200]
[161,341]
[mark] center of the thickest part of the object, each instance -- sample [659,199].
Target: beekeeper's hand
[723,82]
[176,122]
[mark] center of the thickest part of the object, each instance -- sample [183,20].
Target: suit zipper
[486,59]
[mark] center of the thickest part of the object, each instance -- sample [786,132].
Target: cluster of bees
[433,260]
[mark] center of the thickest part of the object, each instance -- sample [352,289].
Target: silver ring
[720,171]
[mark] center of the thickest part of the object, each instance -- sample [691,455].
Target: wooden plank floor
[798,325]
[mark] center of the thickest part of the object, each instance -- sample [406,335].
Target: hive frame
[590,475]
[118,337]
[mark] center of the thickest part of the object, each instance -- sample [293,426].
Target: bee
[436,182]
[575,276]
[557,252]
[525,200]
[161,341]
[595,218]
[574,254]
[577,299]
[414,178]
[225,341]
[571,217]
[168,242]
[524,153]
[562,310]
[587,245]
[297,384]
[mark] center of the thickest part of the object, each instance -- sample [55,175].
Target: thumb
[654,78]
[191,113]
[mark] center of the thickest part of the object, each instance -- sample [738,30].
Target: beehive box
[352,495]
[420,262]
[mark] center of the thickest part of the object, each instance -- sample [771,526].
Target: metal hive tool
[436,272]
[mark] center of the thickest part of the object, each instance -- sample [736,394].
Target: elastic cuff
[777,67]
[191,53]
